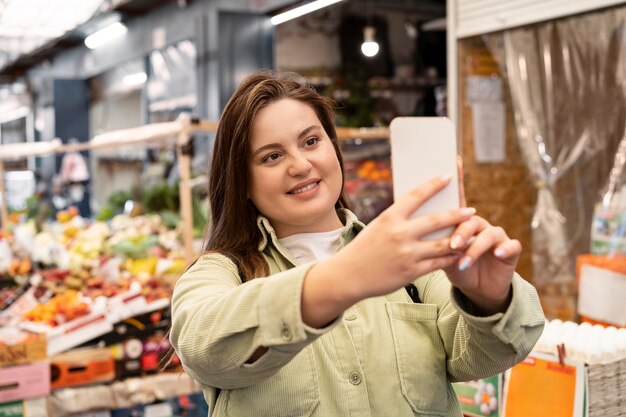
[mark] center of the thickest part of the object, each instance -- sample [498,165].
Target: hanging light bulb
[369,47]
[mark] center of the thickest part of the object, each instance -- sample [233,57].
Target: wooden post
[184,190]
[5,212]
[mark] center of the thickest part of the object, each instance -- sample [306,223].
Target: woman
[298,309]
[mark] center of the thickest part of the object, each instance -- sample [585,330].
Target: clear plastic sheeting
[568,87]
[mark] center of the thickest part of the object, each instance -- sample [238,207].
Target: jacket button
[285,333]
[350,317]
[355,378]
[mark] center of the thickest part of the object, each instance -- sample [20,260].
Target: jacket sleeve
[218,322]
[477,347]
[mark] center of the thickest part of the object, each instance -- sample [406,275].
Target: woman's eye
[271,157]
[312,141]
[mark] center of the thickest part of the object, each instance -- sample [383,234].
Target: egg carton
[590,344]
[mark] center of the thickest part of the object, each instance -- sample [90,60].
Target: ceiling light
[370,46]
[106,34]
[302,10]
[132,80]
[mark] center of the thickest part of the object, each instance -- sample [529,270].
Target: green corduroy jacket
[385,356]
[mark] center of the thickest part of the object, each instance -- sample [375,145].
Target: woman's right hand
[390,253]
[386,256]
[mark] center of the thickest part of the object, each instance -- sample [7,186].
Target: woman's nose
[299,166]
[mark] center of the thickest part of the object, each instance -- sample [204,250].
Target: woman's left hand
[488,258]
[487,264]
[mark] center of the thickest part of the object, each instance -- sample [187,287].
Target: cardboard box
[24,382]
[35,407]
[136,357]
[482,398]
[80,367]
[139,326]
[542,386]
[192,405]
[31,351]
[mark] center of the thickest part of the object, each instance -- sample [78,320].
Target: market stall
[157,134]
[87,302]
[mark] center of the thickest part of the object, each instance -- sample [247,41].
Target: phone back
[423,148]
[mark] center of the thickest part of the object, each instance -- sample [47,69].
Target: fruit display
[9,292]
[15,269]
[19,267]
[76,270]
[368,183]
[60,309]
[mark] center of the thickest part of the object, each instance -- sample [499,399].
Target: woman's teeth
[303,189]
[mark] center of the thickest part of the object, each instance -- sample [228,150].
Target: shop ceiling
[32,31]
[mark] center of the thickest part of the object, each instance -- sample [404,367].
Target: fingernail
[445,178]
[467,211]
[499,253]
[456,242]
[465,263]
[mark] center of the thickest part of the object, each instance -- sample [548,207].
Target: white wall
[475,17]
[310,42]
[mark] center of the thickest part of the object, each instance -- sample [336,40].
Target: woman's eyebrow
[307,130]
[267,147]
[279,146]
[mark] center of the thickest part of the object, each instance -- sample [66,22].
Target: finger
[465,231]
[429,265]
[433,249]
[411,201]
[489,238]
[509,250]
[429,223]
[459,167]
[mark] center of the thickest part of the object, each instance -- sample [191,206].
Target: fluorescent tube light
[302,10]
[106,34]
[436,24]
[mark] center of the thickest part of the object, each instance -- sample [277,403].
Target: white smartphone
[423,148]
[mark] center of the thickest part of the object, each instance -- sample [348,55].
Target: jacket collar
[352,226]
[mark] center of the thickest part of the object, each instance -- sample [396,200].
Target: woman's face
[295,176]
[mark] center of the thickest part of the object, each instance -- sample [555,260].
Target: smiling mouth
[305,188]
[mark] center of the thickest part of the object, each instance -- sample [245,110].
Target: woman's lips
[304,187]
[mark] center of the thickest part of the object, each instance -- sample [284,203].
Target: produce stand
[152,135]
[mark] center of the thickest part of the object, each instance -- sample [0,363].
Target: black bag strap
[413,293]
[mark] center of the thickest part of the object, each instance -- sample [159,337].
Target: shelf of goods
[574,370]
[84,305]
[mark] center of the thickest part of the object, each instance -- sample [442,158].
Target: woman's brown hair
[233,229]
